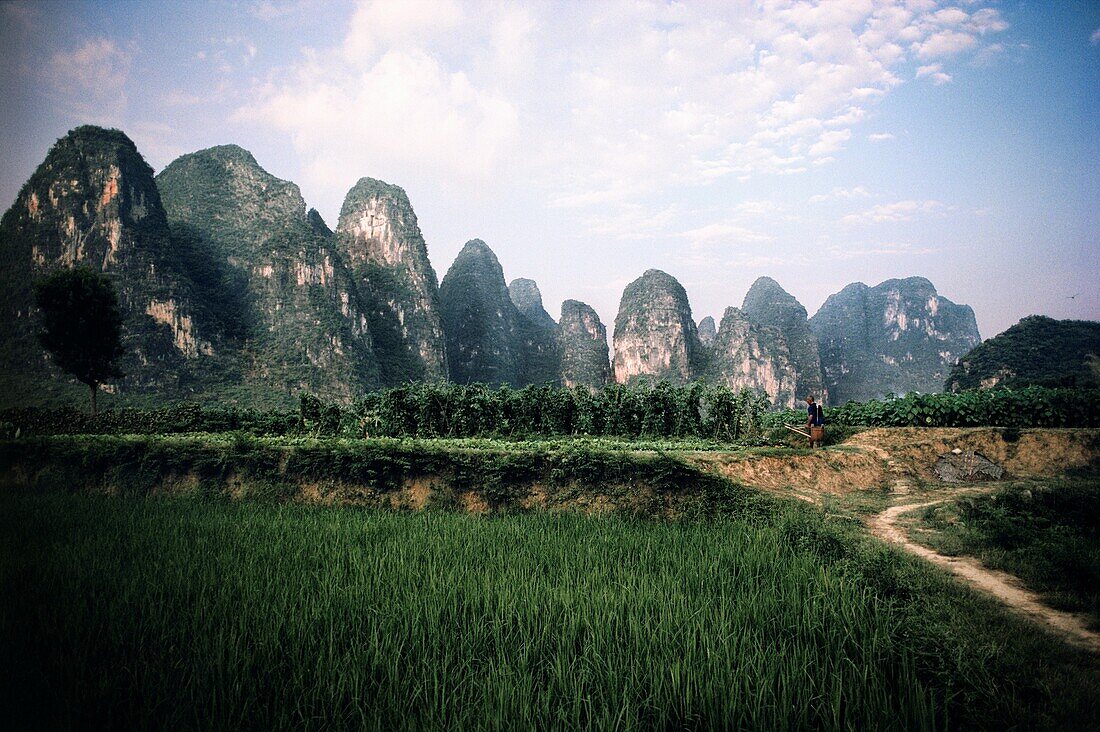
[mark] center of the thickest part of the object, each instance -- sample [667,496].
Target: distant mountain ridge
[234,291]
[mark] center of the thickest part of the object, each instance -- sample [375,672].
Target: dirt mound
[834,472]
[1023,453]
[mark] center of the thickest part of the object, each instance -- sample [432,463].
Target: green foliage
[177,418]
[653,410]
[1037,351]
[82,324]
[1029,407]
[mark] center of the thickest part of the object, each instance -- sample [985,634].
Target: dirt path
[1001,585]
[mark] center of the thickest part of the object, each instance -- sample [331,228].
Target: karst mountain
[235,292]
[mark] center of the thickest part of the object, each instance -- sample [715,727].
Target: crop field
[181,612]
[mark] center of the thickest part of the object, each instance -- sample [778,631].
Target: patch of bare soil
[831,472]
[1031,452]
[1003,586]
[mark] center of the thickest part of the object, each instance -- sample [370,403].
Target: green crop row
[695,411]
[1033,406]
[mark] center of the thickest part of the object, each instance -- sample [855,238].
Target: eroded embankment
[405,474]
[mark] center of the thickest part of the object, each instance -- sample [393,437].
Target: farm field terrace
[185,612]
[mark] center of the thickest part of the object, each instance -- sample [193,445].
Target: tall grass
[124,612]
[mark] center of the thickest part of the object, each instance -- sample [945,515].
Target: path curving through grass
[1005,587]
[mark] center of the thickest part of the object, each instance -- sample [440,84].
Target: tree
[83,325]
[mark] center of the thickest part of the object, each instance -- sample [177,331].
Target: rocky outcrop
[537,335]
[582,340]
[93,203]
[302,322]
[525,295]
[379,235]
[747,355]
[655,336]
[1037,351]
[897,337]
[480,320]
[707,331]
[770,306]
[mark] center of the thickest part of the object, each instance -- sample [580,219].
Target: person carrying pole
[815,422]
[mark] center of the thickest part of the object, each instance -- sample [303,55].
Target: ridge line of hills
[233,290]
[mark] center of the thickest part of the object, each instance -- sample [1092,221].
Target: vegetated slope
[768,304]
[1037,351]
[92,202]
[488,339]
[747,355]
[298,317]
[897,337]
[655,337]
[539,346]
[582,340]
[379,235]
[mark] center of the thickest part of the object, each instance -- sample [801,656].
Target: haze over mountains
[234,291]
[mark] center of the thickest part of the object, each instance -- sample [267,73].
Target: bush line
[696,410]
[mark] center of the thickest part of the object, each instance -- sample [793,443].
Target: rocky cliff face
[527,298]
[582,340]
[768,305]
[379,235]
[897,337]
[301,323]
[747,355]
[537,335]
[93,203]
[655,337]
[707,331]
[480,320]
[1037,351]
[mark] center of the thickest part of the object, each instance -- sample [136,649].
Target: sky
[818,143]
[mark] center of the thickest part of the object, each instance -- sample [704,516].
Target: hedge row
[1033,406]
[695,410]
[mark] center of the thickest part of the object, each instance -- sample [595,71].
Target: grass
[1047,533]
[145,612]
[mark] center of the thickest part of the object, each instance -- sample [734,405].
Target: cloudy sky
[820,143]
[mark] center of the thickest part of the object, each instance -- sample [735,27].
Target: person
[815,421]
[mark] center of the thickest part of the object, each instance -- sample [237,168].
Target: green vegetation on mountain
[1036,351]
[582,340]
[93,202]
[894,338]
[769,305]
[379,236]
[655,336]
[298,319]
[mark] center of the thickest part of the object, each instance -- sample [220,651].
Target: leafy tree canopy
[82,324]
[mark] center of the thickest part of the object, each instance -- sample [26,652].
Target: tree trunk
[94,387]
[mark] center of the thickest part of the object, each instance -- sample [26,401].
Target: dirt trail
[1001,585]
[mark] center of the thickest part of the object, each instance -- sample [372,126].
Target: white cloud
[934,73]
[1094,39]
[406,108]
[90,81]
[884,249]
[898,211]
[593,104]
[880,136]
[382,24]
[944,43]
[841,194]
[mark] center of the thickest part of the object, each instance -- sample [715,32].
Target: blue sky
[817,143]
